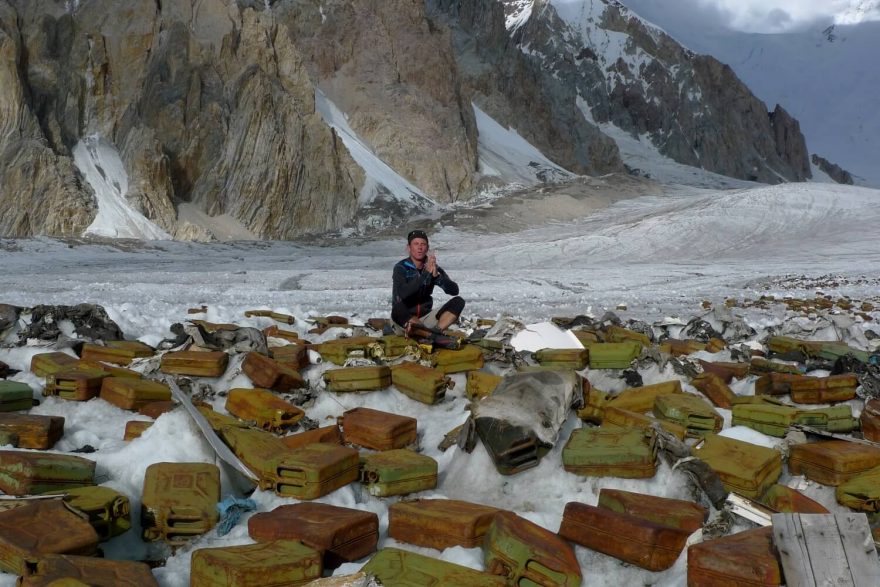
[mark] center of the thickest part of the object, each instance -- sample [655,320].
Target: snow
[544,335]
[99,163]
[661,254]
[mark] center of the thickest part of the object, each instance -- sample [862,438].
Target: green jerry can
[529,555]
[468,358]
[15,396]
[481,384]
[420,383]
[259,450]
[369,378]
[45,364]
[765,418]
[47,526]
[576,359]
[401,568]
[614,355]
[314,470]
[626,419]
[692,412]
[832,419]
[54,570]
[610,452]
[32,431]
[280,562]
[861,492]
[621,334]
[440,523]
[397,472]
[743,467]
[339,350]
[179,501]
[23,473]
[109,511]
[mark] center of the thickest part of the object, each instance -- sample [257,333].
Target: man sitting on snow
[414,281]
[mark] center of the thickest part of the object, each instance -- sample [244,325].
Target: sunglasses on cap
[416,234]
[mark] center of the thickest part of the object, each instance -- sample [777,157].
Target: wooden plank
[789,539]
[858,543]
[825,548]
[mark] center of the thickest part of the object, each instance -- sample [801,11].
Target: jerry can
[780,498]
[108,511]
[132,394]
[329,434]
[440,523]
[641,399]
[610,452]
[263,407]
[134,429]
[420,383]
[576,359]
[467,358]
[369,378]
[45,364]
[743,467]
[280,562]
[78,382]
[32,431]
[713,387]
[55,570]
[614,416]
[295,356]
[314,470]
[195,363]
[269,374]
[179,501]
[118,352]
[674,513]
[747,559]
[690,411]
[15,396]
[727,371]
[397,472]
[832,462]
[23,473]
[613,355]
[378,430]
[401,568]
[823,390]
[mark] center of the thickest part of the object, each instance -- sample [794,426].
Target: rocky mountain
[287,117]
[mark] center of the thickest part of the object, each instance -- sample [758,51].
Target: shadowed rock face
[834,171]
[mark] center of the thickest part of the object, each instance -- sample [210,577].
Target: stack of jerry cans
[632,539]
[527,554]
[420,383]
[45,364]
[23,473]
[342,534]
[269,374]
[744,468]
[714,388]
[823,390]
[77,382]
[747,558]
[613,355]
[108,511]
[861,492]
[66,569]
[132,394]
[690,411]
[263,407]
[576,359]
[832,462]
[32,431]
[397,472]
[610,452]
[42,527]
[314,470]
[440,523]
[481,384]
[781,498]
[378,430]
[280,562]
[179,501]
[195,363]
[15,396]
[468,358]
[118,352]
[402,568]
[369,378]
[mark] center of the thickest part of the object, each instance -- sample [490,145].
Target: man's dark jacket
[412,289]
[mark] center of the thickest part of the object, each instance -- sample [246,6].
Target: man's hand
[431,265]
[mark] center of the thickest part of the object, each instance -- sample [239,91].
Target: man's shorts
[454,305]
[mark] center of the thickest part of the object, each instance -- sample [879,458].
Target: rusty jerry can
[397,472]
[329,434]
[155,409]
[43,527]
[420,383]
[195,363]
[55,570]
[259,450]
[641,399]
[23,473]
[614,355]
[714,388]
[468,358]
[401,568]
[675,513]
[45,364]
[861,492]
[527,554]
[610,452]
[369,378]
[179,501]
[634,540]
[280,562]
[314,470]
[576,359]
[15,396]
[118,352]
[108,511]
[269,374]
[132,394]
[690,411]
[727,371]
[135,428]
[869,420]
[378,430]
[823,390]
[832,462]
[295,356]
[780,498]
[775,383]
[32,431]
[77,382]
[481,384]
[743,467]
[342,534]
[263,407]
[745,559]
[440,523]
[680,348]
[613,416]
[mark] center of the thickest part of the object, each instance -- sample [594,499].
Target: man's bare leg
[445,320]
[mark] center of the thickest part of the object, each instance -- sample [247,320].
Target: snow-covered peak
[860,11]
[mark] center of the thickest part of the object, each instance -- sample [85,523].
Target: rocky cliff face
[834,171]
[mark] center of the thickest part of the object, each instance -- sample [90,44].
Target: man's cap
[416,234]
